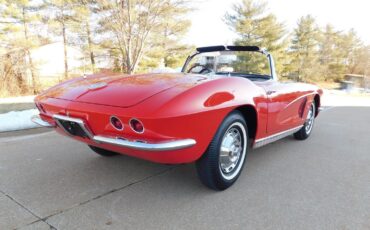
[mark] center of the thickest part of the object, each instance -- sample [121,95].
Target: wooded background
[134,36]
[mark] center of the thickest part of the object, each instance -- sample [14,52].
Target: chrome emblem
[97,85]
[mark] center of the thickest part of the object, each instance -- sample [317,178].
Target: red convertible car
[226,100]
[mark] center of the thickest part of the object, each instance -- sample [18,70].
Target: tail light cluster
[135,124]
[116,123]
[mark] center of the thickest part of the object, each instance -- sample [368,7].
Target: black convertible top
[231,48]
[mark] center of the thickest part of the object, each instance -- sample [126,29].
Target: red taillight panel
[136,125]
[116,123]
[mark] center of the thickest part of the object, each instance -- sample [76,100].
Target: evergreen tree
[329,53]
[351,45]
[360,63]
[255,26]
[304,49]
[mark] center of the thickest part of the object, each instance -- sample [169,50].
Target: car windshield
[230,63]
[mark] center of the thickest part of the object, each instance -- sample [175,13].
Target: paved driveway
[49,181]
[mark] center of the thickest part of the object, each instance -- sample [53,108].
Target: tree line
[135,35]
[309,53]
[132,34]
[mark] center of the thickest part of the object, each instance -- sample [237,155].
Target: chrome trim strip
[80,122]
[267,140]
[272,65]
[37,120]
[164,146]
[299,98]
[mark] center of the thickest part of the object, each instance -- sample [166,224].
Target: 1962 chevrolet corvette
[225,100]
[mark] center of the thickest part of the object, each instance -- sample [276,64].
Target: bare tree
[58,17]
[84,27]
[130,23]
[16,19]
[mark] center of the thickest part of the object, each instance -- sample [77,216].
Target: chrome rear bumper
[163,146]
[117,141]
[37,120]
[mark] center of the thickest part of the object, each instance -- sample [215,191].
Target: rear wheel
[222,163]
[306,130]
[103,152]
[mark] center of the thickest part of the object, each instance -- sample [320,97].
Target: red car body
[176,107]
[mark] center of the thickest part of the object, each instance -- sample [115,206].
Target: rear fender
[199,111]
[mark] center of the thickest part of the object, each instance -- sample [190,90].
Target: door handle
[270,92]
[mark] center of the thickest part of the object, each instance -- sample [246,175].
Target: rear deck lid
[118,90]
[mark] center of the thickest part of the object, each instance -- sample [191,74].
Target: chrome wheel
[232,150]
[222,163]
[310,119]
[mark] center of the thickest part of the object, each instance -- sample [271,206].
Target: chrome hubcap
[310,119]
[231,150]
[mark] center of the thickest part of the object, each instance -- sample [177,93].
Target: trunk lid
[120,90]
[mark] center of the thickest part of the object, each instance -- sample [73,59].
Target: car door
[286,103]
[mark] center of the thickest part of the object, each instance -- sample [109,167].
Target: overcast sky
[208,27]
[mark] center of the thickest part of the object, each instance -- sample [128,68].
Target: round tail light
[136,125]
[116,123]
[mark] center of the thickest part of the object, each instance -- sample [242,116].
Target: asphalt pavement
[48,181]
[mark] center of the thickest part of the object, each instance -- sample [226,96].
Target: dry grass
[12,89]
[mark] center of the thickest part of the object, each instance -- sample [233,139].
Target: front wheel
[306,129]
[222,163]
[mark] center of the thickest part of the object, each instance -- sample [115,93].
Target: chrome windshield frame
[273,74]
